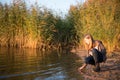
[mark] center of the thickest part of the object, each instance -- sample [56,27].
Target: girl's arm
[87,53]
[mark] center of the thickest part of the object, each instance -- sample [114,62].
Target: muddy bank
[110,70]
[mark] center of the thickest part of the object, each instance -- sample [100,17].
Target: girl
[96,53]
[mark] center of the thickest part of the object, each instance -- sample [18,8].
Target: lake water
[32,64]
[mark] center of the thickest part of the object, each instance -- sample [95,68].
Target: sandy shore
[110,70]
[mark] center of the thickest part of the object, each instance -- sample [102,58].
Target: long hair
[90,38]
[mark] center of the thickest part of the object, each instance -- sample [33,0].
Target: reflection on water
[31,64]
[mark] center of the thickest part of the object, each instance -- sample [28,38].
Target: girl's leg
[97,58]
[95,55]
[97,67]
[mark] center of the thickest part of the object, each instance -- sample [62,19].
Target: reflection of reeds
[16,61]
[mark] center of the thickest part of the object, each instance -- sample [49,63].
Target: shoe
[97,69]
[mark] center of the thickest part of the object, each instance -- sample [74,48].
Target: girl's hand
[80,69]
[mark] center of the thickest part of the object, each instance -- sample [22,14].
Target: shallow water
[31,64]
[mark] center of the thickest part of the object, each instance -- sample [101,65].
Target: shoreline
[110,70]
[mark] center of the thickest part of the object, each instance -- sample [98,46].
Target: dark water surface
[31,64]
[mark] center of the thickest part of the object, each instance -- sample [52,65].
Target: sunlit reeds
[101,19]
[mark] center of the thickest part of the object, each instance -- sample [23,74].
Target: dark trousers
[97,57]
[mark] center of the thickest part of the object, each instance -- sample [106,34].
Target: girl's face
[87,40]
